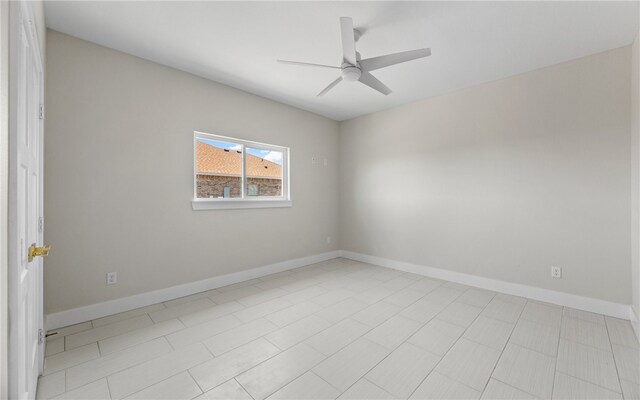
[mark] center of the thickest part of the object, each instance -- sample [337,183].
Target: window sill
[238,204]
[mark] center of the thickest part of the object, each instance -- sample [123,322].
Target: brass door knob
[38,251]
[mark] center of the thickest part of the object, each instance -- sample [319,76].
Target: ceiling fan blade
[305,64]
[371,64]
[331,85]
[374,83]
[348,40]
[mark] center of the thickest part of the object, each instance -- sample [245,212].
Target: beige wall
[119,183]
[501,180]
[635,175]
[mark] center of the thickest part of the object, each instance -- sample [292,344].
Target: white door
[25,204]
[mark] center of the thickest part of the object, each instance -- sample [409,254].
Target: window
[235,173]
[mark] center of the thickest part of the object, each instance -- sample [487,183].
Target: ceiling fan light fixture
[351,73]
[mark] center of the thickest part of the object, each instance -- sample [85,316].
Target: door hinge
[40,224]
[41,111]
[40,336]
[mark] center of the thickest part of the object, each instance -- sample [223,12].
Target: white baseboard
[635,322]
[550,296]
[87,313]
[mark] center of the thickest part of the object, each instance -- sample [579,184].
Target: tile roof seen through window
[213,160]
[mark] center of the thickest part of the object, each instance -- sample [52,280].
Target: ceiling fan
[355,69]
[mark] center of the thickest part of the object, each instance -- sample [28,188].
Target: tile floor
[348,330]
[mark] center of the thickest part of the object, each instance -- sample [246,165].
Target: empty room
[319,200]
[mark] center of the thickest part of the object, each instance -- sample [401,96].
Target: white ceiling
[237,43]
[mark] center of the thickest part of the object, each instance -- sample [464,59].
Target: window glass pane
[218,169]
[264,173]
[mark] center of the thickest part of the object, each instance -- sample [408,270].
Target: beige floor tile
[365,390]
[219,370]
[521,301]
[373,295]
[54,345]
[305,294]
[121,342]
[538,337]
[69,358]
[294,313]
[202,331]
[438,386]
[589,333]
[104,366]
[181,309]
[97,390]
[630,390]
[455,285]
[277,283]
[134,379]
[569,388]
[307,386]
[403,370]
[460,314]
[126,315]
[393,331]
[51,385]
[443,295]
[476,297]
[332,297]
[348,365]
[542,314]
[469,363]
[588,363]
[297,332]
[358,330]
[437,336]
[236,337]
[490,332]
[503,310]
[404,298]
[187,299]
[583,315]
[621,332]
[627,361]
[338,336]
[71,329]
[527,370]
[422,310]
[261,309]
[398,283]
[425,285]
[341,310]
[224,296]
[262,297]
[230,390]
[266,378]
[117,328]
[376,313]
[211,313]
[497,390]
[180,386]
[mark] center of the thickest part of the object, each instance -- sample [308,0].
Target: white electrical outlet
[314,160]
[112,278]
[556,272]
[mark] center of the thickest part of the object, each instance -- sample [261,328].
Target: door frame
[17,10]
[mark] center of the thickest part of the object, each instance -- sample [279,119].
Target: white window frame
[243,201]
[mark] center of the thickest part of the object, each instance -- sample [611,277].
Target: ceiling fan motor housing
[350,73]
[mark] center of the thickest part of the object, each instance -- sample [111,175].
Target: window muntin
[228,169]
